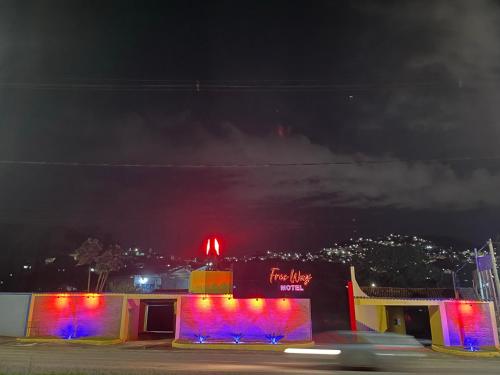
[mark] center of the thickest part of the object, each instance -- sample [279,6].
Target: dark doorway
[417,322]
[158,319]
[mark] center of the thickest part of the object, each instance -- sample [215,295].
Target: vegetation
[122,286]
[92,254]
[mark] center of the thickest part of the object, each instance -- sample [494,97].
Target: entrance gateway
[156,319]
[159,317]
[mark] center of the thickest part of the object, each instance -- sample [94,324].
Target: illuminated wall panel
[76,315]
[469,320]
[219,316]
[215,282]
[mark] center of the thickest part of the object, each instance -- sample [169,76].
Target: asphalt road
[58,359]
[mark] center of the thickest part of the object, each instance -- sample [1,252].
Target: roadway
[16,358]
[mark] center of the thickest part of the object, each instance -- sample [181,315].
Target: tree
[87,254]
[91,253]
[110,260]
[122,286]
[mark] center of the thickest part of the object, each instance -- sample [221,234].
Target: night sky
[414,83]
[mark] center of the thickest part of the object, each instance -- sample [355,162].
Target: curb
[463,353]
[258,347]
[72,341]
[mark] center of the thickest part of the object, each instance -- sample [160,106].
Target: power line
[42,163]
[232,86]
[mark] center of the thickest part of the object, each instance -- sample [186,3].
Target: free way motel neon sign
[295,281]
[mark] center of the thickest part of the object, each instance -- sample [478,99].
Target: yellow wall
[436,325]
[211,282]
[371,317]
[132,323]
[396,320]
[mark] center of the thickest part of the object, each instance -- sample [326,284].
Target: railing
[427,293]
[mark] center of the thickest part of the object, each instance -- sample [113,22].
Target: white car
[370,350]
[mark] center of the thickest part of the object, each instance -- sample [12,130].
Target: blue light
[471,344]
[236,337]
[74,331]
[273,338]
[200,339]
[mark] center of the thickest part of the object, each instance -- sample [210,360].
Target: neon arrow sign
[215,246]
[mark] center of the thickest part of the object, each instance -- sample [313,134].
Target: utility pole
[88,280]
[495,271]
[456,280]
[453,277]
[479,279]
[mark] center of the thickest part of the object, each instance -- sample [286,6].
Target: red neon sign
[216,246]
[295,281]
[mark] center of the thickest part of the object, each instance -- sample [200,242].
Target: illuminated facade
[453,323]
[221,318]
[207,314]
[269,305]
[218,318]
[211,319]
[72,316]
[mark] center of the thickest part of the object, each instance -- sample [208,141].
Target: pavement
[32,358]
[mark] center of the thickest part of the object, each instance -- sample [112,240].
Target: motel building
[269,305]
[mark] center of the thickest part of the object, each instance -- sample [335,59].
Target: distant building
[147,283]
[175,279]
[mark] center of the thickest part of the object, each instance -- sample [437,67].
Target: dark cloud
[420,82]
[452,51]
[400,184]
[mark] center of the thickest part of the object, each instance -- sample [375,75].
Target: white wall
[14,310]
